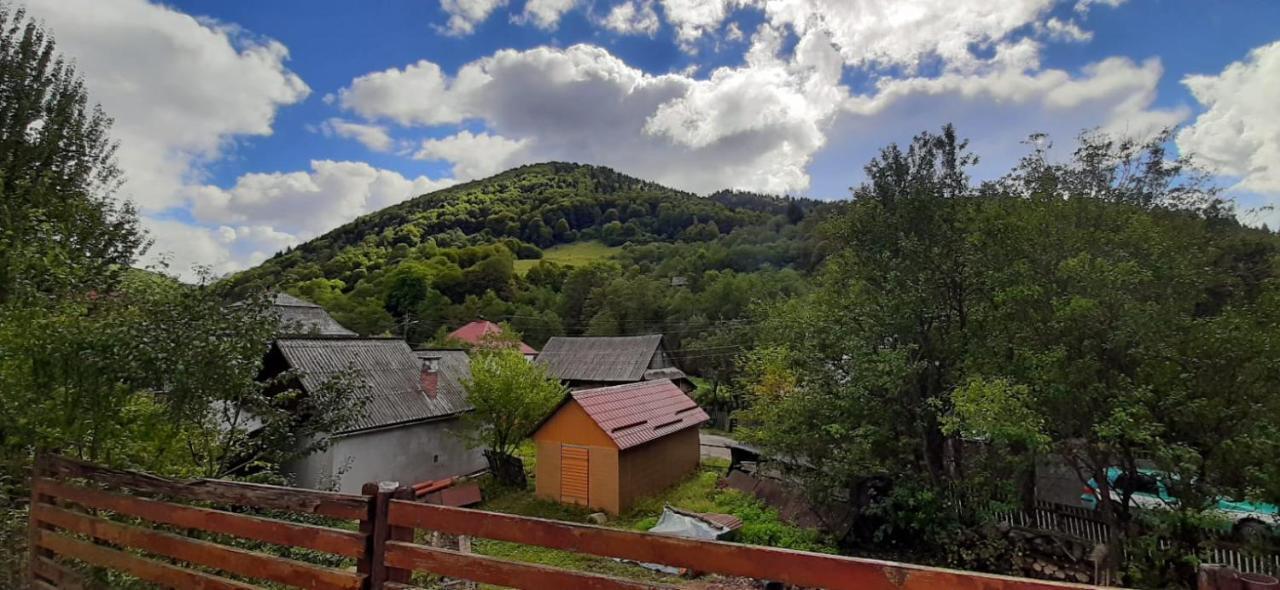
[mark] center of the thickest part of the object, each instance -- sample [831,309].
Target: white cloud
[181,90]
[475,155]
[241,226]
[694,18]
[997,108]
[304,204]
[464,15]
[545,14]
[1239,132]
[417,94]
[733,33]
[633,18]
[374,137]
[584,104]
[903,32]
[1068,30]
[183,247]
[1083,6]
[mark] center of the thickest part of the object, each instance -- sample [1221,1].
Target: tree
[511,396]
[159,375]
[61,231]
[1107,310]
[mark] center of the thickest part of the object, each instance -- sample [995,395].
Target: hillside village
[639,294]
[409,427]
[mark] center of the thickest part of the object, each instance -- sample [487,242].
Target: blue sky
[250,126]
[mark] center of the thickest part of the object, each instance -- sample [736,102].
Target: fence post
[367,564]
[34,552]
[380,531]
[399,533]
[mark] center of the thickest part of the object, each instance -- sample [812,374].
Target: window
[1139,483]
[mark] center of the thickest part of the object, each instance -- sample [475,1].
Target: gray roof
[302,317]
[390,372]
[621,359]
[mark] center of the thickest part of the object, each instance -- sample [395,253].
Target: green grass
[575,254]
[698,493]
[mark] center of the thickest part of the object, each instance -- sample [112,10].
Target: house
[610,446]
[476,333]
[597,361]
[409,429]
[301,317]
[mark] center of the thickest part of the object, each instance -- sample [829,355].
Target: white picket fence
[1081,523]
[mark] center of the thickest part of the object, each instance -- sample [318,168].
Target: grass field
[698,493]
[575,254]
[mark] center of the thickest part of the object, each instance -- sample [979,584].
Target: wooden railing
[109,518]
[150,527]
[812,570]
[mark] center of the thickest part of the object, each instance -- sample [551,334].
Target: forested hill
[552,248]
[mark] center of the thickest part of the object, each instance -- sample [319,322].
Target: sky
[247,127]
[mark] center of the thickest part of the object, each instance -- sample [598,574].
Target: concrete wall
[407,454]
[654,466]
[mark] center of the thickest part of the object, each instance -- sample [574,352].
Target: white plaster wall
[407,454]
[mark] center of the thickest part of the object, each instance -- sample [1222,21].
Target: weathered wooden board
[228,559]
[141,567]
[800,568]
[344,506]
[511,574]
[279,532]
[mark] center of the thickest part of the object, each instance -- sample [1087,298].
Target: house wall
[660,360]
[407,454]
[654,466]
[571,425]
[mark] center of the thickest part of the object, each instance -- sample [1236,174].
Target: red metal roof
[475,333]
[636,413]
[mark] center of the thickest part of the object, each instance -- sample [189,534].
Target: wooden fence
[194,534]
[1084,523]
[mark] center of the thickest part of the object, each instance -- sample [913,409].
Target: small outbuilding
[610,446]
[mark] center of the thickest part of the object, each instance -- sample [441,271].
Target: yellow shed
[607,447]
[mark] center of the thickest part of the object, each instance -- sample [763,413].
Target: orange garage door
[574,470]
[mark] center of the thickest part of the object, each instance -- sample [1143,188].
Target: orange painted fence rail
[162,531]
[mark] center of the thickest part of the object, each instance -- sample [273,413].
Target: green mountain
[552,249]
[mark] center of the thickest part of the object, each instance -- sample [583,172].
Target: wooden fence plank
[228,559]
[763,563]
[510,574]
[59,575]
[279,532]
[141,567]
[334,505]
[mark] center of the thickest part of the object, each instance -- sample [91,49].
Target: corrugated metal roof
[636,413]
[475,333]
[599,358]
[301,317]
[390,373]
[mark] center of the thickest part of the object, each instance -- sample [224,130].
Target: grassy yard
[697,493]
[575,254]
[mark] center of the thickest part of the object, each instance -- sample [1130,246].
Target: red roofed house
[610,446]
[475,333]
